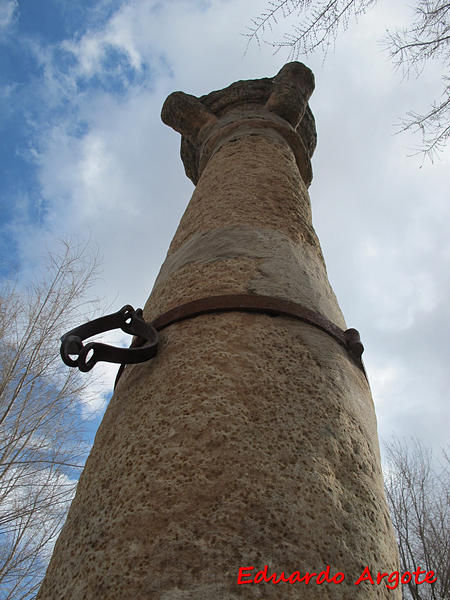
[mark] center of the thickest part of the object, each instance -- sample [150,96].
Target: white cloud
[381,219]
[8,10]
[128,32]
[46,493]
[384,381]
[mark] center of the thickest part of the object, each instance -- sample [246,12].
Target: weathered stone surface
[252,181]
[189,115]
[280,268]
[285,95]
[249,440]
[292,87]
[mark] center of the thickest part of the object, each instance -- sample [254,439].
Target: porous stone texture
[290,101]
[249,440]
[275,267]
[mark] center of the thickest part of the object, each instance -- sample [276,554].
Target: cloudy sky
[84,153]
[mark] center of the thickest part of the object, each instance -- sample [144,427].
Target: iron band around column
[145,344]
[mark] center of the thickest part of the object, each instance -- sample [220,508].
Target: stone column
[250,439]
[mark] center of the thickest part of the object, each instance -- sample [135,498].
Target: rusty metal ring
[130,321]
[72,345]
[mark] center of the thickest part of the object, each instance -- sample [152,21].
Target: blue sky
[84,154]
[32,41]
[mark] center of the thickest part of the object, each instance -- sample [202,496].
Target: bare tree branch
[41,437]
[426,38]
[417,491]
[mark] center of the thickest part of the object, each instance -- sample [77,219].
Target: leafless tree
[418,494]
[426,38]
[41,443]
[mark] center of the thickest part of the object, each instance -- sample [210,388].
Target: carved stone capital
[278,103]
